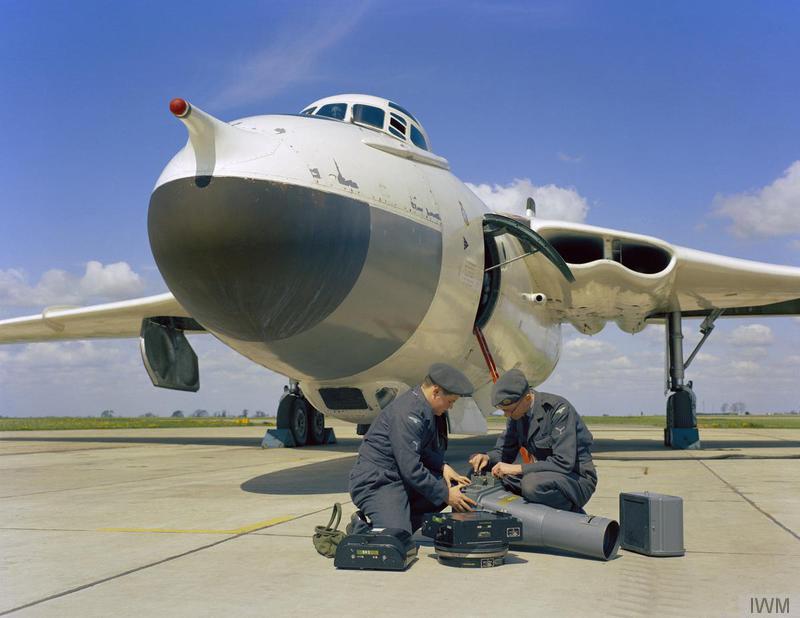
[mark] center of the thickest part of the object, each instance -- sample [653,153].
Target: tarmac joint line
[248,530]
[749,501]
[243,530]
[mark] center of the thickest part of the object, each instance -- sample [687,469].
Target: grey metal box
[651,524]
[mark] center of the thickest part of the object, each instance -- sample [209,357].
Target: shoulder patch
[561,410]
[414,419]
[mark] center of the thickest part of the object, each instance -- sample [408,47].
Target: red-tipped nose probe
[180,107]
[212,142]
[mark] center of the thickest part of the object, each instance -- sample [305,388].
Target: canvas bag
[327,538]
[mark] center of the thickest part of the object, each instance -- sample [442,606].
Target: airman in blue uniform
[400,473]
[552,441]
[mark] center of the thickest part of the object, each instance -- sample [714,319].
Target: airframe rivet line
[257,526]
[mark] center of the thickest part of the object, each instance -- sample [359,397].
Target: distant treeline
[44,423]
[715,421]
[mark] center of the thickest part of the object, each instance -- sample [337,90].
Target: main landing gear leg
[681,430]
[298,423]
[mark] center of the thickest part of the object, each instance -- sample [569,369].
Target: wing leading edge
[121,319]
[633,279]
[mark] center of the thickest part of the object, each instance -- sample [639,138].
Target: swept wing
[106,321]
[632,279]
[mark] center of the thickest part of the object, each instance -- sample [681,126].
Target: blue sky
[675,119]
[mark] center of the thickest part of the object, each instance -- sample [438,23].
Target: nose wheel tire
[298,422]
[293,415]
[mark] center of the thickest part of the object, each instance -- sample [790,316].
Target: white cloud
[294,55]
[576,348]
[87,377]
[653,333]
[552,202]
[85,366]
[752,335]
[754,352]
[621,362]
[112,281]
[745,368]
[773,210]
[64,354]
[99,282]
[563,156]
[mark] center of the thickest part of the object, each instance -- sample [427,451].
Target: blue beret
[450,379]
[509,388]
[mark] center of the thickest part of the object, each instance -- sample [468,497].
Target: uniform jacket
[402,445]
[553,432]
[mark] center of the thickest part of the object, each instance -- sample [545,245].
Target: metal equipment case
[472,528]
[386,549]
[651,524]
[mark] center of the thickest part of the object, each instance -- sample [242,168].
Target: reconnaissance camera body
[476,539]
[544,527]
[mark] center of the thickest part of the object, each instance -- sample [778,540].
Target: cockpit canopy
[374,113]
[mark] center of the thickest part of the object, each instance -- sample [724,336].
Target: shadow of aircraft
[324,477]
[332,476]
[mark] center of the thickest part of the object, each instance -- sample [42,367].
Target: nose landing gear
[298,422]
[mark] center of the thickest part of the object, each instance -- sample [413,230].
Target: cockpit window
[400,109]
[399,121]
[366,114]
[374,113]
[336,111]
[397,125]
[417,138]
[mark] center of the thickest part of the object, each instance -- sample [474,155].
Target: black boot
[359,524]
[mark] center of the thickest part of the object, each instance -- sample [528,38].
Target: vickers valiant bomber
[335,248]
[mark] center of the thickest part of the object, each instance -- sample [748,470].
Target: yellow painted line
[249,528]
[265,524]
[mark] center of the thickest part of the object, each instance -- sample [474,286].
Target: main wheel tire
[316,425]
[298,422]
[285,411]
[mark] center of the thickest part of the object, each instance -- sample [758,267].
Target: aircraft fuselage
[338,256]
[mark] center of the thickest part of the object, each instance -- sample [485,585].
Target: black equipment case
[386,549]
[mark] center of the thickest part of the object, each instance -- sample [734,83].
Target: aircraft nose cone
[256,260]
